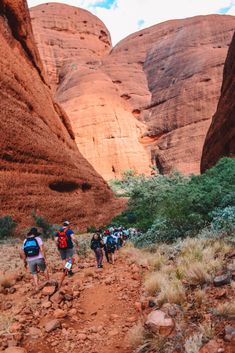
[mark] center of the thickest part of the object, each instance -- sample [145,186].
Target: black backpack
[31,247]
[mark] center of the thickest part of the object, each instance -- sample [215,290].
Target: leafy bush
[48,230]
[169,207]
[7,227]
[224,220]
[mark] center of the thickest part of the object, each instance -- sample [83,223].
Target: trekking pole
[66,269]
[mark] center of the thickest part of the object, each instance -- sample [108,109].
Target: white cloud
[128,16]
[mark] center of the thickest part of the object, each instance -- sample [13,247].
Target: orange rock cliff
[41,168]
[148,100]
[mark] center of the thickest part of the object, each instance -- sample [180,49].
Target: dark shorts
[66,253]
[34,265]
[111,250]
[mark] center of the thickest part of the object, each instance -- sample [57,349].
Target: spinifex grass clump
[7,227]
[166,208]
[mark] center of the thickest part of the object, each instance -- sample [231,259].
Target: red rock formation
[220,139]
[172,73]
[152,96]
[72,43]
[41,168]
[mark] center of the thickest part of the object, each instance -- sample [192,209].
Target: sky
[123,17]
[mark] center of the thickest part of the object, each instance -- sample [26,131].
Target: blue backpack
[31,247]
[111,244]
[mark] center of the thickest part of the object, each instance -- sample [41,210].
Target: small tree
[47,229]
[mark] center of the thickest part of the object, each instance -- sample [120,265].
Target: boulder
[158,322]
[52,325]
[222,280]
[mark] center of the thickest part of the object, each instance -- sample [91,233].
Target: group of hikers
[34,257]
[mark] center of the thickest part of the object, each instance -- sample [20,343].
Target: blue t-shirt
[69,232]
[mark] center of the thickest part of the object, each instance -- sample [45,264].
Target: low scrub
[7,227]
[166,208]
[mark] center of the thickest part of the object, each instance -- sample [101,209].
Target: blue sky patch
[140,23]
[107,4]
[224,10]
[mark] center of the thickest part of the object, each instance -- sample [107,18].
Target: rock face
[72,43]
[41,168]
[150,99]
[220,139]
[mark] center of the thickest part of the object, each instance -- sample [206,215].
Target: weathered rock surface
[220,139]
[72,43]
[41,168]
[150,99]
[158,322]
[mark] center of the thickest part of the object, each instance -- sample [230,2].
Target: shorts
[66,253]
[111,250]
[36,264]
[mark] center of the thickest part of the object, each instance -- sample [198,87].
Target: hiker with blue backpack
[110,246]
[33,255]
[65,240]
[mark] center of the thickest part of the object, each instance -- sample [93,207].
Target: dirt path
[99,316]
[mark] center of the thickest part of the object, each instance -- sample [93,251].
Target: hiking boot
[70,273]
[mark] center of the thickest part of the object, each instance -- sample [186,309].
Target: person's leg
[96,257]
[43,268]
[112,257]
[99,257]
[106,253]
[33,269]
[35,278]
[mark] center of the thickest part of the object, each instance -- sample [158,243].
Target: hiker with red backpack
[65,240]
[33,255]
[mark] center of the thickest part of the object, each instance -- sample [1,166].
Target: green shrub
[48,230]
[175,206]
[7,227]
[224,220]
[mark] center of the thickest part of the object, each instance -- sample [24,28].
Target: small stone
[221,294]
[56,298]
[81,336]
[46,305]
[59,314]
[52,325]
[12,290]
[35,332]
[222,280]
[48,290]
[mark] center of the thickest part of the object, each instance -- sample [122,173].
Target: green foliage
[84,246]
[7,227]
[169,207]
[224,220]
[48,230]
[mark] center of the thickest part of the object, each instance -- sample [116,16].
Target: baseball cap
[66,223]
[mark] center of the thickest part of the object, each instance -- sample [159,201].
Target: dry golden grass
[207,329]
[172,292]
[193,343]
[197,274]
[226,309]
[136,336]
[154,282]
[200,296]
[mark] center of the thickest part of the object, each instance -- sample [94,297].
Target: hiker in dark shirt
[97,245]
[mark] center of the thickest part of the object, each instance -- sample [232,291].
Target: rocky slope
[41,168]
[150,99]
[220,139]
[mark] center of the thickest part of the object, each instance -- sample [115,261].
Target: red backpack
[62,239]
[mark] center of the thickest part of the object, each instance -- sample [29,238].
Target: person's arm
[42,249]
[75,241]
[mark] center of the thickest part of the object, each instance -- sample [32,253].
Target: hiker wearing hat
[33,254]
[65,241]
